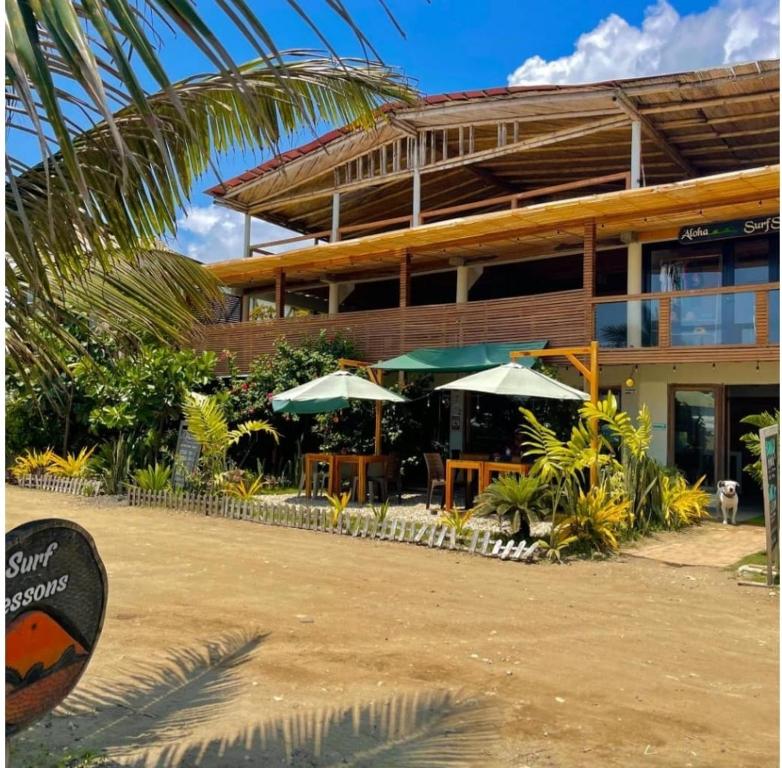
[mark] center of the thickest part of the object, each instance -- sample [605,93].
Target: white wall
[651,387]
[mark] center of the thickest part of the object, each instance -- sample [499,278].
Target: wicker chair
[435,470]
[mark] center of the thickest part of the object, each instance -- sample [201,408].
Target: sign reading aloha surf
[700,233]
[55,587]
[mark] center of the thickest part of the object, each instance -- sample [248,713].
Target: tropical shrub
[681,504]
[337,504]
[114,465]
[245,489]
[517,498]
[156,477]
[381,512]
[207,422]
[32,463]
[752,441]
[595,521]
[457,519]
[73,465]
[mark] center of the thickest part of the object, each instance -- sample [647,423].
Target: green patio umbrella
[516,380]
[330,393]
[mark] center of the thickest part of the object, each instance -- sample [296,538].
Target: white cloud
[212,233]
[729,32]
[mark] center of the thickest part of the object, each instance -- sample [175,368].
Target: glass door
[695,431]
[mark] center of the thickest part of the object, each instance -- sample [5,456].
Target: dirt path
[231,644]
[710,544]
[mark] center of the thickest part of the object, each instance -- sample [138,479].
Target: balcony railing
[559,318]
[723,324]
[735,317]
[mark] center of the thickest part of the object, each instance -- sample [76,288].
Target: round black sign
[56,589]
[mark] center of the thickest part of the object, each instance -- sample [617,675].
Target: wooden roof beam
[629,108]
[489,176]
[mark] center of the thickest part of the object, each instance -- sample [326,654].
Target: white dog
[728,491]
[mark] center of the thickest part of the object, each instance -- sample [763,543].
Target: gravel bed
[412,507]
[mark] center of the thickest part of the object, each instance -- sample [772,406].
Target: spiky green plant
[337,505]
[244,489]
[595,521]
[155,477]
[458,519]
[32,463]
[380,513]
[73,465]
[680,503]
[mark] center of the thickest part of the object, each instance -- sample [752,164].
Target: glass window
[685,268]
[619,324]
[751,262]
[719,319]
[773,317]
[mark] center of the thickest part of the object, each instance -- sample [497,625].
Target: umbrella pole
[378,417]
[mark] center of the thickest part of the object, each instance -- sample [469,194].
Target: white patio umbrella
[516,380]
[331,392]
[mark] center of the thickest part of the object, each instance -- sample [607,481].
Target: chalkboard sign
[188,452]
[769,457]
[55,587]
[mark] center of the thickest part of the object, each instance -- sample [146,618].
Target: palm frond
[117,163]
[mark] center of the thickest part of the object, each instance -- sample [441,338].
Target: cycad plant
[515,498]
[208,424]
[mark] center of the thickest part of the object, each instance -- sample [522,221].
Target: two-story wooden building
[642,213]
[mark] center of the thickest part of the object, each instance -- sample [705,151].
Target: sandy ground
[232,644]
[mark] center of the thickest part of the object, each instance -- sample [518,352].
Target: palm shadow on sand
[147,720]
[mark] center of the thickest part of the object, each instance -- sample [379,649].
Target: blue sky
[462,44]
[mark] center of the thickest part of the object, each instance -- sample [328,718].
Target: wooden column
[404,281]
[590,259]
[279,293]
[248,220]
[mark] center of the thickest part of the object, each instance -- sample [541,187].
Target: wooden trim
[754,287]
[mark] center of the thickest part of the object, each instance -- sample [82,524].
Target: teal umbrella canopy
[516,380]
[330,393]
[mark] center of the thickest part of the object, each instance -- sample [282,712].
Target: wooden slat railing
[556,317]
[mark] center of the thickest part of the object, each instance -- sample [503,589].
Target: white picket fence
[355,524]
[76,486]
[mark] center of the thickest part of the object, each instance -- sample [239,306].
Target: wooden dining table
[485,470]
[335,462]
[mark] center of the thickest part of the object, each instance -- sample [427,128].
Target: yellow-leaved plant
[32,463]
[78,465]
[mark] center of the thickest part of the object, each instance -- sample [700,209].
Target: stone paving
[711,544]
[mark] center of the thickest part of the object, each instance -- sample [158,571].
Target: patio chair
[381,476]
[320,479]
[435,470]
